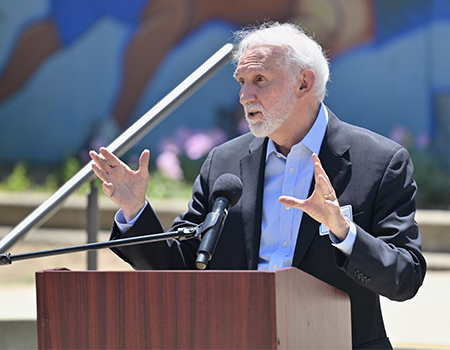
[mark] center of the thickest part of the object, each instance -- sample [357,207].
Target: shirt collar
[313,139]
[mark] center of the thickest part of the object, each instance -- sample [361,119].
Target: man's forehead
[259,59]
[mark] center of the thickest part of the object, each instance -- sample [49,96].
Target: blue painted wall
[397,82]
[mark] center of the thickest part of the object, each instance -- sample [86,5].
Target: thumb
[144,160]
[292,202]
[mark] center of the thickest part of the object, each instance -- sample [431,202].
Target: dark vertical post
[92,223]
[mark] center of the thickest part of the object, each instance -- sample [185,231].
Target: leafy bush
[433,181]
[18,180]
[431,174]
[22,179]
[182,155]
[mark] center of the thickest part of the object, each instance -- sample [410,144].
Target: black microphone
[226,192]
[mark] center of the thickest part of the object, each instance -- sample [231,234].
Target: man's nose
[246,95]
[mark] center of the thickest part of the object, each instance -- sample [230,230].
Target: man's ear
[306,81]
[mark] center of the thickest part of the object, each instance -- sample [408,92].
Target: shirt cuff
[346,246]
[122,224]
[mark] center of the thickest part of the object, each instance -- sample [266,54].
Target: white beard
[269,122]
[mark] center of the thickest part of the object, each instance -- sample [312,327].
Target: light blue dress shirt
[290,176]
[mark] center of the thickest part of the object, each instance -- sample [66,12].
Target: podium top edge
[64,269]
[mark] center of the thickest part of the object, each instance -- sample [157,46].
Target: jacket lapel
[252,175]
[333,155]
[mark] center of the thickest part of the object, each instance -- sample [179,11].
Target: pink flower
[200,143]
[169,164]
[399,135]
[169,145]
[423,141]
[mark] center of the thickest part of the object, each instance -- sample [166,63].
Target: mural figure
[161,24]
[345,28]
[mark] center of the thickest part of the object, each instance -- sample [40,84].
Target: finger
[108,188]
[322,178]
[100,161]
[110,157]
[95,156]
[144,159]
[318,168]
[99,172]
[324,188]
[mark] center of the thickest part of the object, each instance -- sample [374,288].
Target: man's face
[267,89]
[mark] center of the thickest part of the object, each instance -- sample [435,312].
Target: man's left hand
[323,205]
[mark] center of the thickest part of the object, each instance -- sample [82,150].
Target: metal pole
[122,144]
[92,225]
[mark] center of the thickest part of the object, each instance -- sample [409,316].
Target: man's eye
[260,79]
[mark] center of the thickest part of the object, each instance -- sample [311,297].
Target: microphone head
[228,185]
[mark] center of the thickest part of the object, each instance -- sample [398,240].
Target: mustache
[251,106]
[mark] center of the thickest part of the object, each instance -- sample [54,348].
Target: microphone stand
[181,234]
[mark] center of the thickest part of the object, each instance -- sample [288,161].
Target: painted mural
[75,73]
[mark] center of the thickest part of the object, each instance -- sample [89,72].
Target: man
[347,219]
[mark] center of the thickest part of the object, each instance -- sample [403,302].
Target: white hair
[302,51]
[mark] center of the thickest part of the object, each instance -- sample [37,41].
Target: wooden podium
[287,309]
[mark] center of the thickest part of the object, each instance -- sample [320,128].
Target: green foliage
[70,167]
[162,187]
[432,178]
[18,180]
[431,174]
[50,184]
[22,179]
[433,181]
[26,178]
[191,167]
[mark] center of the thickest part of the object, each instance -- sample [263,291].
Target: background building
[74,74]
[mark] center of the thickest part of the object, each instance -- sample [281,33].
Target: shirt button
[278,155]
[291,170]
[285,244]
[275,267]
[287,208]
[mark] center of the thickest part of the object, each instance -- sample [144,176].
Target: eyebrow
[253,71]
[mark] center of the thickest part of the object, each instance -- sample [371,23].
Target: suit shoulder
[244,139]
[342,136]
[239,144]
[367,139]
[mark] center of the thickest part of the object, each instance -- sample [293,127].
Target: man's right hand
[125,187]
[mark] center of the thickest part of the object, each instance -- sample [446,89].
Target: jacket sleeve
[388,259]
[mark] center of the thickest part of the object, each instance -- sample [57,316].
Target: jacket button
[364,279]
[368,281]
[360,276]
[356,273]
